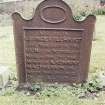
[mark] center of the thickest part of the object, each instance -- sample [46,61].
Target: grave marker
[52,46]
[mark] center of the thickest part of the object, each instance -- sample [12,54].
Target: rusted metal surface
[52,46]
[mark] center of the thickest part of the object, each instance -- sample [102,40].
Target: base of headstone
[4,76]
[24,86]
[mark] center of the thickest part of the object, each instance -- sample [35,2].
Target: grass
[64,96]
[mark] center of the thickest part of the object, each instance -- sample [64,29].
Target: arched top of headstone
[52,12]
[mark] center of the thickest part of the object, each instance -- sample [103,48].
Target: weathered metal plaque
[52,46]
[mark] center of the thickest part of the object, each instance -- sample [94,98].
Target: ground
[63,95]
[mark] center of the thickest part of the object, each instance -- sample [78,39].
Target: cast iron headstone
[52,46]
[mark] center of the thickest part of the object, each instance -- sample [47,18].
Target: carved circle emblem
[53,14]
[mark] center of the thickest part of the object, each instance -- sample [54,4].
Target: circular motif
[53,14]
